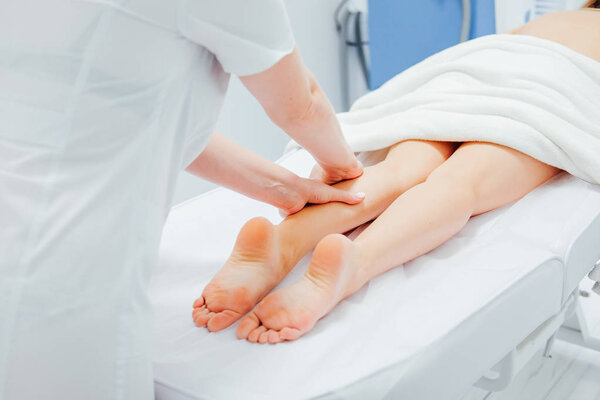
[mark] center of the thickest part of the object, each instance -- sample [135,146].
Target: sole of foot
[289,313]
[251,271]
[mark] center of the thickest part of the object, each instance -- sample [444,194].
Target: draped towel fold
[527,93]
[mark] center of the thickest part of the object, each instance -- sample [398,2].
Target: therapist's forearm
[230,165]
[318,130]
[292,98]
[227,164]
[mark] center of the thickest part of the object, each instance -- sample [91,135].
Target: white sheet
[527,93]
[427,330]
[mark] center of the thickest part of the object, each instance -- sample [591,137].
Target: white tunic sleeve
[246,36]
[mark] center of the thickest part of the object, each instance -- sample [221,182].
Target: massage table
[471,312]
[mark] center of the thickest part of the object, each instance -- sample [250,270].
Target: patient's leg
[264,254]
[477,178]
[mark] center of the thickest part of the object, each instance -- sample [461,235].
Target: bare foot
[291,312]
[252,270]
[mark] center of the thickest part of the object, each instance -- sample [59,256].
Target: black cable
[360,48]
[343,23]
[344,75]
[337,13]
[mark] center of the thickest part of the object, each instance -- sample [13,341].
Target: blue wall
[483,18]
[404,32]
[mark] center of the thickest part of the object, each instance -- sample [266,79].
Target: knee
[419,154]
[454,186]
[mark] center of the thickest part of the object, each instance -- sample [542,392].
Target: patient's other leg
[264,254]
[477,178]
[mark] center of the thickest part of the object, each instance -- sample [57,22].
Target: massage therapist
[101,104]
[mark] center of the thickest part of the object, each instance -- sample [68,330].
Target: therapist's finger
[316,192]
[325,194]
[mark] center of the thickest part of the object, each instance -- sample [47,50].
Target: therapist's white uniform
[101,104]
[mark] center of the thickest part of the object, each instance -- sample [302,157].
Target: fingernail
[360,195]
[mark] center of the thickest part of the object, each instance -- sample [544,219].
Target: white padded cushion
[442,318]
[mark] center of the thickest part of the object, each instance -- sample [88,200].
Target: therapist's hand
[331,175]
[232,166]
[303,191]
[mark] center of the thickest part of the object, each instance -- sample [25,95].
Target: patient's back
[579,30]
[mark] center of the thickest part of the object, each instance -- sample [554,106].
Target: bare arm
[261,179]
[293,100]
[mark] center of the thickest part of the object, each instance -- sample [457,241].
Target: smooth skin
[478,177]
[264,254]
[421,195]
[417,208]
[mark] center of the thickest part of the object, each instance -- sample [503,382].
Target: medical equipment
[431,26]
[350,24]
[491,296]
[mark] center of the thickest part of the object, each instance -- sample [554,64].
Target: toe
[255,334]
[222,320]
[273,336]
[201,316]
[264,337]
[197,311]
[199,302]
[290,334]
[248,324]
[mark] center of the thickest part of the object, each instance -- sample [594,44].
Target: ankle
[286,249]
[361,264]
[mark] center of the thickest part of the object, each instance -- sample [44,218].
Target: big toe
[201,316]
[290,334]
[199,302]
[222,320]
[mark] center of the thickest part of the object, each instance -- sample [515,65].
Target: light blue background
[404,32]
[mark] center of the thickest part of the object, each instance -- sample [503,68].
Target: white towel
[527,93]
